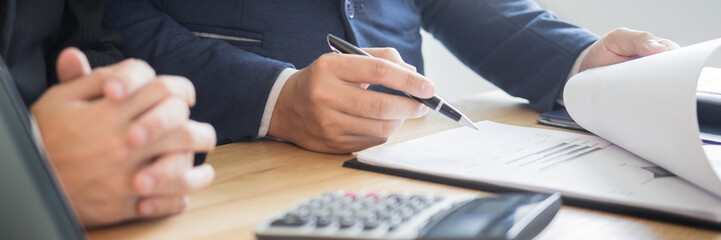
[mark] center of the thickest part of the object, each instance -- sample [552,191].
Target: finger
[173,174]
[193,137]
[161,172]
[409,67]
[377,105]
[365,127]
[649,47]
[94,85]
[670,45]
[169,114]
[632,43]
[72,64]
[158,90]
[127,77]
[390,54]
[361,69]
[160,206]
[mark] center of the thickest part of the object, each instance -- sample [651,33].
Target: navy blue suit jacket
[233,50]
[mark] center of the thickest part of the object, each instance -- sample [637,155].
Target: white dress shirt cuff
[574,69]
[272,99]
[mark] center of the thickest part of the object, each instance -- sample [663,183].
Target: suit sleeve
[232,85]
[521,48]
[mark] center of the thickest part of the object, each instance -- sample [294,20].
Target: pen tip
[468,123]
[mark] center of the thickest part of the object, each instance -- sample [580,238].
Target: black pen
[436,103]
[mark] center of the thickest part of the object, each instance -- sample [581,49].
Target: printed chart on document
[544,160]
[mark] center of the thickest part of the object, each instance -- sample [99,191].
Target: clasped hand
[121,140]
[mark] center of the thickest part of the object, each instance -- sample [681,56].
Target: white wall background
[684,21]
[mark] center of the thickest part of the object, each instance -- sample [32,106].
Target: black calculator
[357,215]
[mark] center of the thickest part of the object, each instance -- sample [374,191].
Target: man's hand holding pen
[326,107]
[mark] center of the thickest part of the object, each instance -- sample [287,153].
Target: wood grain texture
[256,180]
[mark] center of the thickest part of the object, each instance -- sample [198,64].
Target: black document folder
[571,201]
[708,112]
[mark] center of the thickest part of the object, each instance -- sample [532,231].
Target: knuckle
[106,71]
[179,86]
[380,69]
[179,106]
[190,184]
[172,114]
[163,86]
[211,132]
[411,67]
[319,97]
[138,65]
[380,107]
[329,133]
[188,135]
[412,81]
[327,128]
[199,137]
[156,122]
[323,63]
[166,173]
[646,35]
[390,53]
[185,184]
[107,74]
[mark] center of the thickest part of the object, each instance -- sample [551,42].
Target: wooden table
[256,180]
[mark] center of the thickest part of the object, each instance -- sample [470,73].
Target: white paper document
[550,161]
[648,153]
[648,107]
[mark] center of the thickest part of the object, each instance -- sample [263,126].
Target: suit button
[349,10]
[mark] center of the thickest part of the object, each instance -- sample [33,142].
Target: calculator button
[290,221]
[323,212]
[394,222]
[339,213]
[370,221]
[407,213]
[384,215]
[357,206]
[302,211]
[323,221]
[347,221]
[371,225]
[395,199]
[420,198]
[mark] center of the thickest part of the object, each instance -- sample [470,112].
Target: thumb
[72,64]
[631,43]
